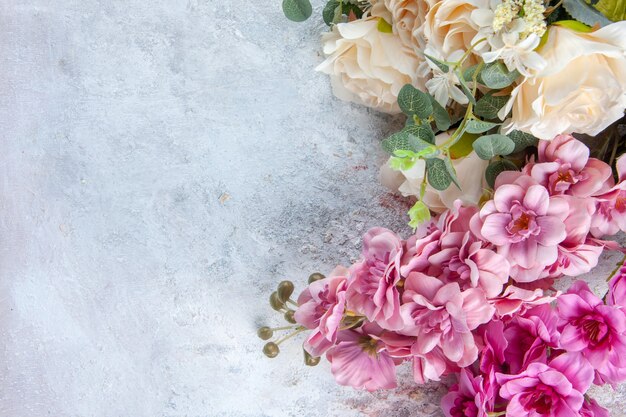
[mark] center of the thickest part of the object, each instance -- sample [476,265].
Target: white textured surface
[127,288]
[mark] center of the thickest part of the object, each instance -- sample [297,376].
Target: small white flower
[517,54]
[443,86]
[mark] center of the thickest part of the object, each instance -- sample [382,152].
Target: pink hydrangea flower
[530,336]
[592,409]
[564,167]
[373,290]
[442,315]
[526,225]
[321,308]
[359,359]
[595,330]
[468,398]
[617,289]
[610,215]
[555,389]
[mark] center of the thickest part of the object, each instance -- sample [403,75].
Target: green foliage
[587,14]
[451,172]
[468,93]
[418,214]
[479,126]
[496,75]
[414,102]
[615,10]
[442,65]
[495,168]
[332,12]
[297,10]
[489,105]
[486,147]
[522,140]
[414,138]
[468,74]
[440,114]
[438,176]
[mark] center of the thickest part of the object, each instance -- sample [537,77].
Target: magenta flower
[592,409]
[610,215]
[360,360]
[564,167]
[516,300]
[595,330]
[530,336]
[467,398]
[553,390]
[373,290]
[526,225]
[321,308]
[617,289]
[441,315]
[494,347]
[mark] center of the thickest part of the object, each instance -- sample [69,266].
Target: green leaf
[452,172]
[615,10]
[384,26]
[412,138]
[522,140]
[440,114]
[465,88]
[437,172]
[297,10]
[497,76]
[414,102]
[463,146]
[418,214]
[401,164]
[574,25]
[486,147]
[495,168]
[332,12]
[583,12]
[489,105]
[442,65]
[468,74]
[479,126]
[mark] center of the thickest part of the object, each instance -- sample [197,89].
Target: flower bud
[310,360]
[285,289]
[265,333]
[275,302]
[271,350]
[315,276]
[289,316]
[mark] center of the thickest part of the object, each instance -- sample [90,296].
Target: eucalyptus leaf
[495,168]
[442,65]
[465,89]
[615,10]
[421,132]
[489,105]
[585,13]
[437,173]
[414,102]
[496,75]
[452,172]
[412,138]
[332,12]
[297,10]
[522,140]
[440,114]
[479,126]
[486,147]
[468,73]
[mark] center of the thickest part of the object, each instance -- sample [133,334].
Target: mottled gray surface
[164,164]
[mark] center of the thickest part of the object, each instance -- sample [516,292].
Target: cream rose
[449,26]
[368,66]
[582,89]
[470,171]
[408,21]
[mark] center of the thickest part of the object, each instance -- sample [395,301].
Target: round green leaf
[522,140]
[414,102]
[440,114]
[330,12]
[479,126]
[487,147]
[495,168]
[489,106]
[438,176]
[497,76]
[297,10]
[583,12]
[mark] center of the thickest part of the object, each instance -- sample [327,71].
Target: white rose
[368,66]
[408,21]
[582,89]
[470,172]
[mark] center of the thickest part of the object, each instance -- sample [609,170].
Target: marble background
[164,164]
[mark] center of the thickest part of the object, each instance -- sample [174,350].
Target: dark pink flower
[442,315]
[595,330]
[617,289]
[321,308]
[526,225]
[555,389]
[468,398]
[373,290]
[359,359]
[492,357]
[592,409]
[564,167]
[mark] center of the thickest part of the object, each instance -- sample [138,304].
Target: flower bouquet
[511,136]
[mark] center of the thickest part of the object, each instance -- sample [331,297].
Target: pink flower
[321,307]
[494,347]
[564,167]
[555,390]
[617,289]
[442,315]
[595,330]
[530,336]
[359,360]
[610,215]
[467,398]
[592,409]
[526,225]
[373,290]
[518,300]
